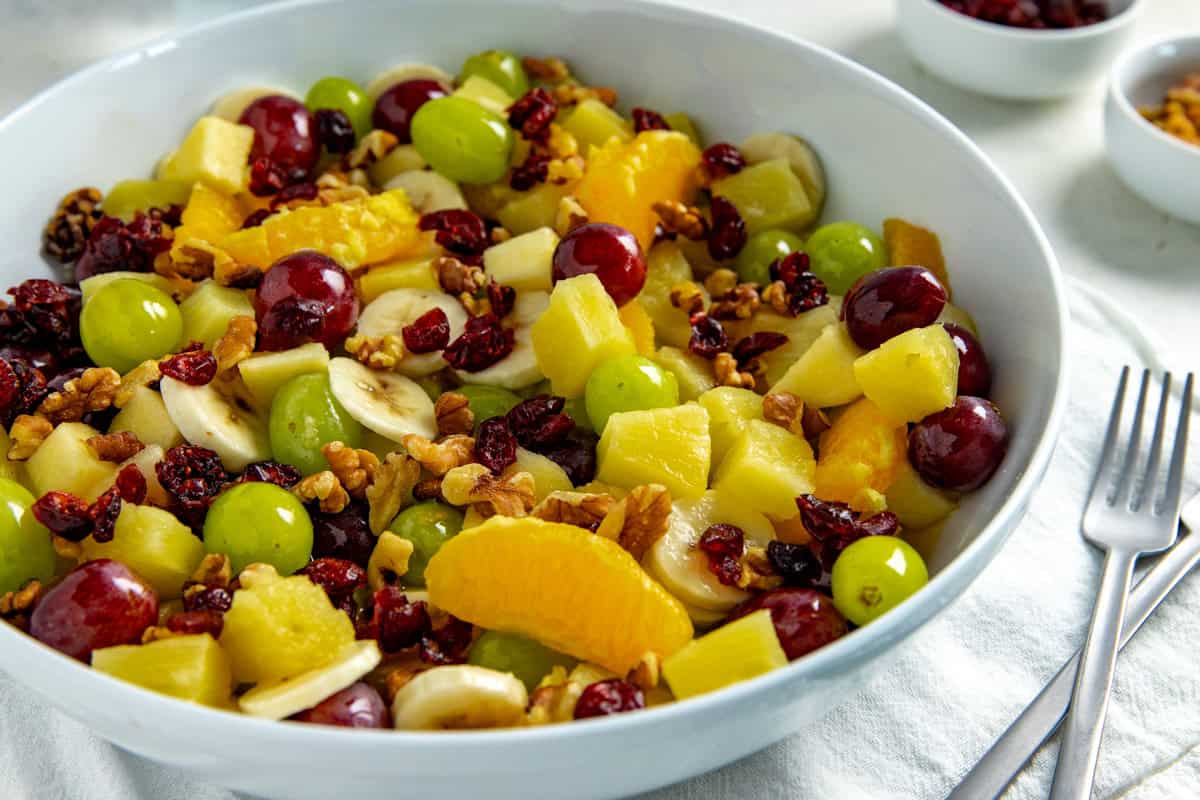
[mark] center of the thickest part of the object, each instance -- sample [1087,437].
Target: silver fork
[1125,517]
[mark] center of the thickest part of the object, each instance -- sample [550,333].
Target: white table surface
[1053,152]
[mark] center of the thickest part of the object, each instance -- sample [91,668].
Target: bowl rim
[1116,77]
[882,634]
[1043,34]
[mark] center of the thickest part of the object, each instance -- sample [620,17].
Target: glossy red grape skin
[284,131]
[356,706]
[98,604]
[804,619]
[959,448]
[974,372]
[610,252]
[395,108]
[305,297]
[888,302]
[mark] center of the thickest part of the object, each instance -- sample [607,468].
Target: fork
[1125,518]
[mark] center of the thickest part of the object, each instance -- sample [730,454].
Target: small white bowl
[1164,170]
[1013,63]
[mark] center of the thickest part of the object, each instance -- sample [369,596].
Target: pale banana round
[221,417]
[406,72]
[519,369]
[230,105]
[799,154]
[389,313]
[389,404]
[428,191]
[283,699]
[459,697]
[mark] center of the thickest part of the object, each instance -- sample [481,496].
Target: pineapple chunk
[215,151]
[801,331]
[767,469]
[193,668]
[66,463]
[547,476]
[693,373]
[523,262]
[912,375]
[536,208]
[89,286]
[208,310]
[634,317]
[580,329]
[264,373]
[127,198]
[670,446]
[482,92]
[768,195]
[403,158]
[154,544]
[743,649]
[667,267]
[281,627]
[916,503]
[592,124]
[861,452]
[145,415]
[412,274]
[729,413]
[825,375]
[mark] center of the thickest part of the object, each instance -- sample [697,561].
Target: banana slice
[230,105]
[800,156]
[428,191]
[459,697]
[389,404]
[221,416]
[281,700]
[392,311]
[519,368]
[406,72]
[682,568]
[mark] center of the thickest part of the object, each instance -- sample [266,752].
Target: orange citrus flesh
[635,317]
[864,449]
[910,245]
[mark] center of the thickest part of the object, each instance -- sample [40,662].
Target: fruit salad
[474,402]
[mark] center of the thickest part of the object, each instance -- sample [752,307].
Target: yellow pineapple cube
[154,544]
[264,373]
[580,329]
[482,92]
[915,502]
[766,469]
[215,151]
[65,462]
[666,267]
[634,317]
[193,668]
[729,413]
[801,331]
[415,273]
[912,375]
[670,446]
[522,212]
[693,373]
[592,124]
[523,262]
[825,376]
[741,650]
[863,450]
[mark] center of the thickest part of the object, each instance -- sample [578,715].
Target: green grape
[344,95]
[628,383]
[259,522]
[26,552]
[488,401]
[428,526]
[576,409]
[305,416]
[763,248]
[462,140]
[874,575]
[525,658]
[128,322]
[842,252]
[501,68]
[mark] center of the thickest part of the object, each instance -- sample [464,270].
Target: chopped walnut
[639,519]
[325,488]
[116,447]
[371,148]
[569,94]
[647,673]
[550,69]
[785,410]
[688,297]
[388,492]
[775,295]
[575,508]
[455,277]
[236,344]
[454,415]
[553,702]
[214,570]
[725,370]
[561,143]
[92,391]
[398,670]
[570,215]
[428,489]
[68,230]
[335,186]
[683,219]
[195,260]
[65,548]
[377,352]
[757,572]
[389,560]
[740,302]
[27,434]
[23,599]
[156,633]
[564,170]
[509,495]
[441,456]
[233,273]
[144,374]
[355,469]
[721,282]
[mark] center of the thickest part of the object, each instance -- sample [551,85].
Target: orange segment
[863,450]
[208,218]
[624,180]
[913,246]
[573,591]
[634,317]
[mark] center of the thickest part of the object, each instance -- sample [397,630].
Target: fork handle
[1081,737]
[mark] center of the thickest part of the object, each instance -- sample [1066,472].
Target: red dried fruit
[334,130]
[612,696]
[193,623]
[532,171]
[10,385]
[194,367]
[338,577]
[724,545]
[283,475]
[38,291]
[727,233]
[495,445]
[25,387]
[576,454]
[483,342]
[646,120]
[305,190]
[131,484]
[532,114]
[115,245]
[266,177]
[428,332]
[345,534]
[835,526]
[795,563]
[171,215]
[256,218]
[502,298]
[193,476]
[459,231]
[46,311]
[64,514]
[448,644]
[538,422]
[708,336]
[104,513]
[394,622]
[1036,14]
[210,598]
[751,347]
[805,290]
[722,159]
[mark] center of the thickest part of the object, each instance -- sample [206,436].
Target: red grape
[356,706]
[395,108]
[888,302]
[959,448]
[98,604]
[608,251]
[804,619]
[305,297]
[974,372]
[284,131]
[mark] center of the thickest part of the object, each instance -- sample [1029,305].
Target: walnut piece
[193,260]
[236,344]
[550,69]
[639,519]
[726,372]
[376,352]
[65,548]
[569,94]
[388,492]
[23,599]
[68,230]
[441,456]
[336,186]
[116,447]
[757,572]
[474,484]
[92,391]
[456,277]
[453,413]
[27,434]
[389,560]
[428,489]
[144,374]
[233,273]
[570,215]
[785,410]
[575,508]
[775,295]
[814,422]
[214,570]
[371,148]
[325,488]
[688,297]
[355,469]
[156,633]
[683,219]
[740,302]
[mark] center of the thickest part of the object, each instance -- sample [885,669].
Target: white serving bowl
[1164,170]
[115,119]
[1013,63]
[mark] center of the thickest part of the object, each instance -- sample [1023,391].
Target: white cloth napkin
[920,724]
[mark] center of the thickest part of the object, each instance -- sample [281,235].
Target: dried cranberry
[39,291]
[25,389]
[532,171]
[722,159]
[171,215]
[727,234]
[48,311]
[195,368]
[612,696]
[131,484]
[483,342]
[283,475]
[810,292]
[395,622]
[10,385]
[196,622]
[708,336]
[64,514]
[115,245]
[266,177]
[751,347]
[304,190]
[724,545]
[576,454]
[502,298]
[428,332]
[495,445]
[338,577]
[334,130]
[795,563]
[193,476]
[539,422]
[646,120]
[804,619]
[532,114]
[835,526]
[256,218]
[459,231]
[448,644]
[210,598]
[345,534]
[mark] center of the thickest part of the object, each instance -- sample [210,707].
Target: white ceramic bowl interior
[1013,63]
[114,120]
[1164,170]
